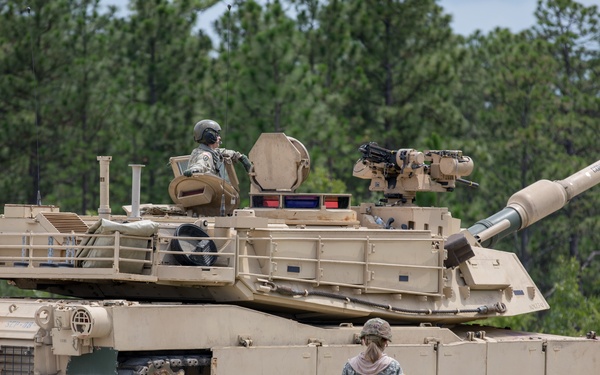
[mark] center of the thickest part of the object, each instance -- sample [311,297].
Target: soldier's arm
[238,156]
[199,163]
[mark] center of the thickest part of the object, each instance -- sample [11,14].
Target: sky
[468,15]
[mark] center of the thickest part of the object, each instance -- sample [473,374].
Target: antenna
[222,199]
[228,57]
[37,122]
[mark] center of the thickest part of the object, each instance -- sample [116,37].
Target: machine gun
[377,154]
[401,173]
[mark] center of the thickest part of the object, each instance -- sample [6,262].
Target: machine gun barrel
[533,203]
[377,154]
[467,182]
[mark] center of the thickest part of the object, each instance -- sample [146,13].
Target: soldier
[376,334]
[208,157]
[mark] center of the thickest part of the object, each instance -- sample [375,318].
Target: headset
[210,136]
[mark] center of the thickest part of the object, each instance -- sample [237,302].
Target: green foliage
[320,181]
[571,312]
[8,290]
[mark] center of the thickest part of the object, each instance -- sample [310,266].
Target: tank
[202,286]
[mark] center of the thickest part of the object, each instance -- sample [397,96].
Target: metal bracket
[448,292]
[531,291]
[245,341]
[465,291]
[431,340]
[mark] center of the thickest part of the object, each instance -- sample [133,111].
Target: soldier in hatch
[208,157]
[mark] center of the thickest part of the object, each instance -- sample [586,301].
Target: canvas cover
[90,246]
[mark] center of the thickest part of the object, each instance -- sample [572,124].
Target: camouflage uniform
[385,365]
[393,369]
[206,160]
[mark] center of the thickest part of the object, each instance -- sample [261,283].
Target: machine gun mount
[401,173]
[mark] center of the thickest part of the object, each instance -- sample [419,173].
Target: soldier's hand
[246,163]
[189,172]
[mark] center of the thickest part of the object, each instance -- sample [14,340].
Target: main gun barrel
[533,203]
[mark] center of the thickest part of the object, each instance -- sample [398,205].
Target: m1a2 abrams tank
[284,285]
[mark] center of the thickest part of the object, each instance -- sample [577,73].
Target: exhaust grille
[16,360]
[65,222]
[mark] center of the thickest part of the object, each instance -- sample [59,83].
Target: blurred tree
[386,69]
[539,103]
[163,58]
[571,30]
[65,101]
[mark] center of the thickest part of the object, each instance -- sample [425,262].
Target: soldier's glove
[246,163]
[189,172]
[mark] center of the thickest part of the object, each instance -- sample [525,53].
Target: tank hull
[223,339]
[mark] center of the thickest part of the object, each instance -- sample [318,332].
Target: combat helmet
[377,327]
[206,131]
